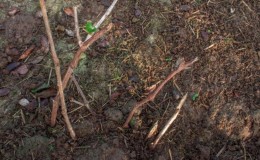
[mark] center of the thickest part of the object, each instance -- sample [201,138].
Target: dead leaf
[47,93]
[69,11]
[153,130]
[27,52]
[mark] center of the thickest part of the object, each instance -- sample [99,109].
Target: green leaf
[90,28]
[168,59]
[195,96]
[132,122]
[40,88]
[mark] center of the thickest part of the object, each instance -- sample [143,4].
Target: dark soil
[148,41]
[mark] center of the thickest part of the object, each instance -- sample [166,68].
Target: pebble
[213,58]
[4,91]
[70,33]
[185,8]
[3,62]
[12,66]
[114,114]
[205,35]
[12,51]
[138,13]
[38,14]
[23,102]
[135,20]
[176,94]
[22,70]
[105,3]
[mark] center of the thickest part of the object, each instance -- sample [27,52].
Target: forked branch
[153,94]
[73,65]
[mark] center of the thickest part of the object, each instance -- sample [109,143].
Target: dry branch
[57,69]
[168,124]
[86,103]
[76,21]
[152,95]
[73,65]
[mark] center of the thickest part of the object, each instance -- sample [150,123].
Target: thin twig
[102,19]
[76,21]
[153,94]
[57,69]
[168,124]
[77,102]
[73,65]
[86,103]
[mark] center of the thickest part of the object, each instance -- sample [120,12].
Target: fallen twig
[57,69]
[153,94]
[73,65]
[76,21]
[86,103]
[168,124]
[102,19]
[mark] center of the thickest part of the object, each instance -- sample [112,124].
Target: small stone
[3,62]
[60,28]
[134,20]
[185,8]
[133,154]
[23,102]
[213,58]
[138,13]
[4,91]
[204,152]
[38,14]
[105,3]
[23,69]
[12,51]
[84,129]
[114,114]
[176,94]
[205,35]
[12,66]
[70,33]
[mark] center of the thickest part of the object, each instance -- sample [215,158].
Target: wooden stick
[73,65]
[76,21]
[57,69]
[168,124]
[152,95]
[102,19]
[86,103]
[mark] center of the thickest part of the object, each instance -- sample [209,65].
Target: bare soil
[148,41]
